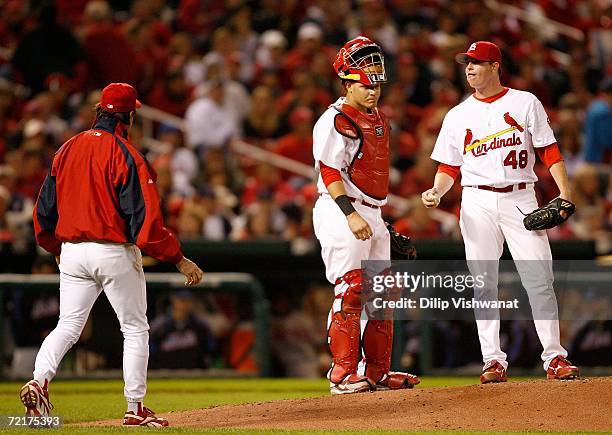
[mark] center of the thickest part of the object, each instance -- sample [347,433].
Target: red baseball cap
[119,97]
[484,51]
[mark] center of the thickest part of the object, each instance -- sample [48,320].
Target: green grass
[79,401]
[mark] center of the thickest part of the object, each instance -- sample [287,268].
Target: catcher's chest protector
[369,170]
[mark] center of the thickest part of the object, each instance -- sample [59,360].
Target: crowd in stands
[260,71]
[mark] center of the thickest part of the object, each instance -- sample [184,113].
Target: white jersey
[336,151]
[494,142]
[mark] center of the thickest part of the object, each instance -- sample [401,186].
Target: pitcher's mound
[581,405]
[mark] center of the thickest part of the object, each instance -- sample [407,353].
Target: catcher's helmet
[361,60]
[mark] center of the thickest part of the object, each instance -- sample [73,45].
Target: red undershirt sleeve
[328,174]
[550,154]
[453,171]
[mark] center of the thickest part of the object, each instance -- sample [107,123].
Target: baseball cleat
[352,384]
[397,381]
[561,368]
[35,398]
[493,372]
[144,417]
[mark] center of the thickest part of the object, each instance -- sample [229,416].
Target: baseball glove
[401,246]
[549,215]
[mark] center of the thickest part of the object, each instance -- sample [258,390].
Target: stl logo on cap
[483,51]
[119,97]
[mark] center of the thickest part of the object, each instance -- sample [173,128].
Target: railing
[150,115]
[539,20]
[212,282]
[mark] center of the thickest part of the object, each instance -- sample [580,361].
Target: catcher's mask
[361,60]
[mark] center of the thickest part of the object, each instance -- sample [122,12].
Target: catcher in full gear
[351,153]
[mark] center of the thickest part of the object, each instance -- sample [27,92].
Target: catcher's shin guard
[343,333]
[377,347]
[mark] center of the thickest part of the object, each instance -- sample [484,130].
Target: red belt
[520,186]
[367,204]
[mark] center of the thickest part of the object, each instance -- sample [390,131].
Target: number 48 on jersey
[511,159]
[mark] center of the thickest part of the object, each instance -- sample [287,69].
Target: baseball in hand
[431,197]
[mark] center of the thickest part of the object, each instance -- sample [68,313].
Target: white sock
[135,407]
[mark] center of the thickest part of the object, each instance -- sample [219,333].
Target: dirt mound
[582,405]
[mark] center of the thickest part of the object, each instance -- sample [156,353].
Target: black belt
[367,204]
[360,201]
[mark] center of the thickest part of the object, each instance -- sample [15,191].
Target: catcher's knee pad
[344,330]
[377,347]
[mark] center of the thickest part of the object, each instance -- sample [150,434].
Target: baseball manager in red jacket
[97,209]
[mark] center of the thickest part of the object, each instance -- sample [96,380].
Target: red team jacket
[100,188]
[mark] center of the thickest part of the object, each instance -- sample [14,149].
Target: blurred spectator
[414,78]
[45,110]
[181,339]
[246,38]
[181,52]
[271,51]
[598,127]
[198,17]
[568,134]
[297,144]
[57,51]
[14,23]
[309,43]
[422,223]
[266,181]
[374,21]
[589,222]
[263,120]
[332,17]
[149,55]
[304,92]
[418,176]
[209,124]
[262,220]
[592,345]
[33,317]
[203,217]
[171,93]
[295,342]
[109,54]
[236,99]
[32,173]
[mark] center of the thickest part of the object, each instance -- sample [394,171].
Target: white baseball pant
[87,269]
[340,250]
[487,218]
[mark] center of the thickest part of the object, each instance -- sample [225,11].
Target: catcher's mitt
[401,246]
[549,215]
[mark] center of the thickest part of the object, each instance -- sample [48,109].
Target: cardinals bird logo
[512,122]
[468,139]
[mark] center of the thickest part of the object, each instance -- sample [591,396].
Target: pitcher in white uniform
[492,138]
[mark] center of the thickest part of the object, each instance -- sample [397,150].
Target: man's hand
[360,228]
[191,271]
[431,198]
[57,259]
